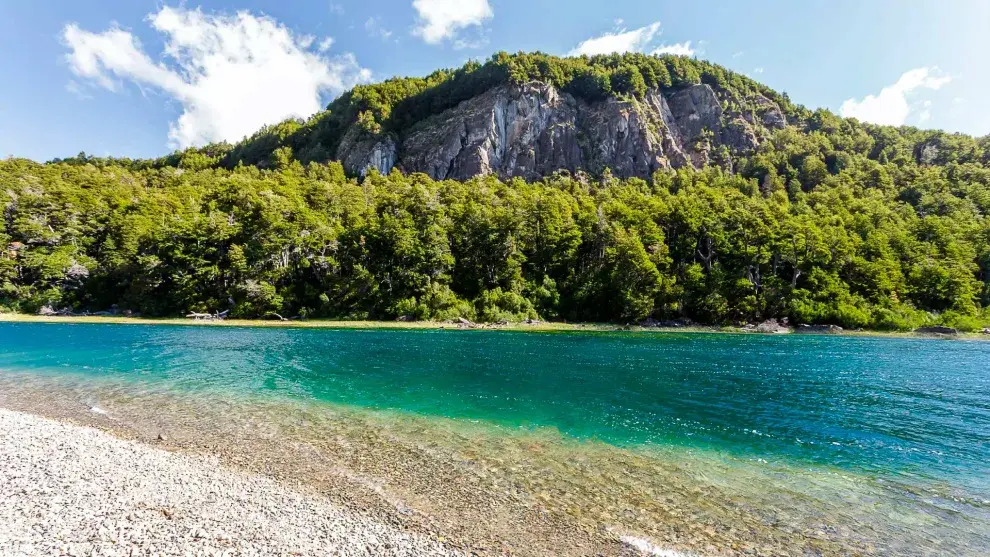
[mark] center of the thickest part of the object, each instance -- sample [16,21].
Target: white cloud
[677,49]
[375,29]
[619,41]
[758,70]
[892,106]
[232,74]
[325,44]
[442,19]
[738,54]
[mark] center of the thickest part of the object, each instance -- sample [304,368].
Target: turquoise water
[905,409]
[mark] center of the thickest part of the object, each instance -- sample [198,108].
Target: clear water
[915,412]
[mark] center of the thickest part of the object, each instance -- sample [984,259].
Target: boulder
[771,326]
[937,331]
[818,329]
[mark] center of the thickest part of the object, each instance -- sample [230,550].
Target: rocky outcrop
[528,131]
[766,111]
[360,152]
[533,130]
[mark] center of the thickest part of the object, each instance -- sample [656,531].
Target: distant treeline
[841,223]
[830,221]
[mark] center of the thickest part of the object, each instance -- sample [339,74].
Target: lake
[871,445]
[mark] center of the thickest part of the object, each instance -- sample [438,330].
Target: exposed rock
[927,153]
[463,323]
[526,131]
[534,130]
[986,331]
[77,272]
[666,324]
[696,111]
[771,326]
[803,328]
[937,331]
[767,111]
[360,151]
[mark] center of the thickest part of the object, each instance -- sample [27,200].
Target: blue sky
[140,78]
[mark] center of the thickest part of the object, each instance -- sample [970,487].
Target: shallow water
[862,445]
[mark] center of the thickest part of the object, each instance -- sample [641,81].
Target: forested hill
[613,188]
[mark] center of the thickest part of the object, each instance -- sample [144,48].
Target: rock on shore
[69,490]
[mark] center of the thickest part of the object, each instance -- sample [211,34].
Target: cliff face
[532,130]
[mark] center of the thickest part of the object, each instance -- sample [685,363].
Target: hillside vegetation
[828,221]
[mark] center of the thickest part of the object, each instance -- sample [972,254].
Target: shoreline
[541,327]
[361,467]
[490,491]
[71,489]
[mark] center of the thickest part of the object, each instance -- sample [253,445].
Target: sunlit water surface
[890,436]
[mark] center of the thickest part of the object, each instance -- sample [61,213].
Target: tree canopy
[830,221]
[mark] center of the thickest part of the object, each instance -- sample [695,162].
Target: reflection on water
[709,443]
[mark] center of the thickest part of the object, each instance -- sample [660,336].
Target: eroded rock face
[360,152]
[524,131]
[533,130]
[767,112]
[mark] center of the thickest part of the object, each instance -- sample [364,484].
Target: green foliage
[591,84]
[395,105]
[829,221]
[627,80]
[892,245]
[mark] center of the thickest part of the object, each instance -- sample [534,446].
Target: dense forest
[829,221]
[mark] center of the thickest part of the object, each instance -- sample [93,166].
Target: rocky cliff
[533,130]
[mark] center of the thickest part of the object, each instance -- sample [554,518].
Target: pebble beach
[71,490]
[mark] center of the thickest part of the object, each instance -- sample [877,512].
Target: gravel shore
[70,490]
